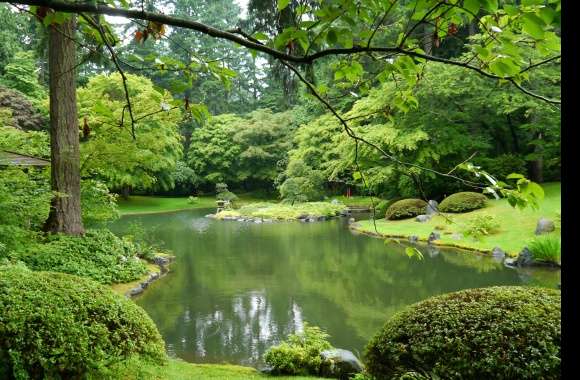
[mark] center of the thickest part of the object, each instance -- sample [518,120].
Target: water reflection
[238,288]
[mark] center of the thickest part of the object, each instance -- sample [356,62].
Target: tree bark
[65,211]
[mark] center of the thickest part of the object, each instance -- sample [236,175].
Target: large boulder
[544,226]
[423,218]
[339,363]
[525,258]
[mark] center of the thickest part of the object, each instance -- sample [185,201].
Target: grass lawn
[516,227]
[357,200]
[283,211]
[146,204]
[177,369]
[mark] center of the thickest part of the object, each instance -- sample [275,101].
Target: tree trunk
[537,165]
[65,211]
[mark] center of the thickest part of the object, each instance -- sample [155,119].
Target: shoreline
[158,269]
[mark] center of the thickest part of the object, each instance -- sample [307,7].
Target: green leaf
[356,176]
[472,6]
[533,25]
[283,4]
[515,176]
[260,36]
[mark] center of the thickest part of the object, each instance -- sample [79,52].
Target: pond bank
[265,212]
[156,270]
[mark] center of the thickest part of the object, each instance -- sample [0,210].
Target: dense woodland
[293,100]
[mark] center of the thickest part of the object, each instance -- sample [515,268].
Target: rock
[258,221]
[138,290]
[339,364]
[433,236]
[544,226]
[267,220]
[525,258]
[160,260]
[303,216]
[423,218]
[498,254]
[432,207]
[345,212]
[153,276]
[351,220]
[335,202]
[509,262]
[413,238]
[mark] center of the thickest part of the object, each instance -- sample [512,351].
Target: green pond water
[237,288]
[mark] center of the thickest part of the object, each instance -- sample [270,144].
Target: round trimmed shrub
[60,326]
[406,208]
[504,332]
[462,202]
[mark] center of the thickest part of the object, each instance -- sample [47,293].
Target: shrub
[406,208]
[480,225]
[99,255]
[462,202]
[381,209]
[546,248]
[507,332]
[300,354]
[58,326]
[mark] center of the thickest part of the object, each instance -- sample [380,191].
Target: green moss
[506,332]
[55,325]
[462,202]
[406,208]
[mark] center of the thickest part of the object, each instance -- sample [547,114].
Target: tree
[65,211]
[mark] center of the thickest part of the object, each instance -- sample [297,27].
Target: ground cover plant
[546,248]
[405,208]
[471,336]
[462,202]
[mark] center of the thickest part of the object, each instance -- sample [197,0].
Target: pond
[238,288]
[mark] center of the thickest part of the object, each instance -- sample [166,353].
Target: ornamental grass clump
[59,326]
[406,208]
[503,332]
[546,248]
[463,202]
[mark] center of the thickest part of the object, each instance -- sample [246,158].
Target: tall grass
[546,248]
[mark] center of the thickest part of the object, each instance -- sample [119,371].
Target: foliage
[282,211]
[32,143]
[24,197]
[108,150]
[244,150]
[546,248]
[192,200]
[480,225]
[98,255]
[184,178]
[406,208]
[381,208]
[223,194]
[61,326]
[17,111]
[98,205]
[21,74]
[300,354]
[302,183]
[471,336]
[463,201]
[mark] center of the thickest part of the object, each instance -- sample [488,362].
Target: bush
[99,255]
[381,209]
[462,202]
[546,248]
[507,332]
[300,354]
[406,208]
[480,226]
[59,326]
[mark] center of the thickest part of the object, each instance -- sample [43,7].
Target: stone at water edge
[544,226]
[432,207]
[413,238]
[433,236]
[339,363]
[498,254]
[423,218]
[525,258]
